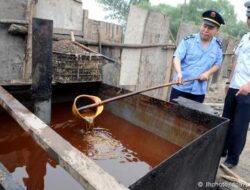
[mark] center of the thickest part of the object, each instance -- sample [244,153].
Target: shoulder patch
[189,37]
[219,42]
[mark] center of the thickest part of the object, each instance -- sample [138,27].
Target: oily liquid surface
[125,151]
[29,164]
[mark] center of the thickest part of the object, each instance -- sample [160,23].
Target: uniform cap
[247,4]
[212,18]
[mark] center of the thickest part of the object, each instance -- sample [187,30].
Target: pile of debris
[66,46]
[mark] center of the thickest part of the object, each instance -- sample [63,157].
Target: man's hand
[177,67]
[179,78]
[244,90]
[204,76]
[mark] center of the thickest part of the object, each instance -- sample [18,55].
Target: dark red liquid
[132,153]
[122,149]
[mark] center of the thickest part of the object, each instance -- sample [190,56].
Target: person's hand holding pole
[177,66]
[179,78]
[204,76]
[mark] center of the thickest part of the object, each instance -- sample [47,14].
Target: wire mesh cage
[73,64]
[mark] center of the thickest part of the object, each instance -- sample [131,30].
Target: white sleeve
[243,39]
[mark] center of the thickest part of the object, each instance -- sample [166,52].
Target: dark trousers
[176,93]
[237,109]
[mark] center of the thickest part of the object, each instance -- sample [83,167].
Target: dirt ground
[215,99]
[244,165]
[242,170]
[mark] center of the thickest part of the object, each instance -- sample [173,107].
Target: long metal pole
[131,94]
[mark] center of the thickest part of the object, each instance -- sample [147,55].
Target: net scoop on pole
[87,111]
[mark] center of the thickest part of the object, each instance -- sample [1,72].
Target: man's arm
[207,74]
[234,60]
[177,67]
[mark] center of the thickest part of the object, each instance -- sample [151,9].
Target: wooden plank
[114,44]
[82,168]
[98,54]
[233,177]
[153,61]
[130,59]
[165,93]
[147,67]
[67,32]
[110,32]
[14,82]
[7,181]
[14,21]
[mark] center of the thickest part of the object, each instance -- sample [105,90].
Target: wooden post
[99,40]
[72,36]
[27,65]
[42,67]
[170,53]
[85,23]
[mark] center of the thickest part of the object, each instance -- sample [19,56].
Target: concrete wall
[12,53]
[12,47]
[66,14]
[13,9]
[111,71]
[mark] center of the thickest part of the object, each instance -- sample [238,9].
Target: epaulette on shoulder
[189,37]
[219,42]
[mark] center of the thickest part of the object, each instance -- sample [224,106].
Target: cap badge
[212,14]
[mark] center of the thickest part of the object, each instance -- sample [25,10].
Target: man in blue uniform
[237,101]
[198,55]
